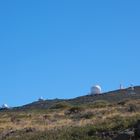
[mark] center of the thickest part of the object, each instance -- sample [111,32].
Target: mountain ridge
[111,96]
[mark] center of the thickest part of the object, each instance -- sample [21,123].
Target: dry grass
[47,120]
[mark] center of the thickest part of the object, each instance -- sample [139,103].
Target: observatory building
[5,106]
[41,99]
[96,90]
[131,90]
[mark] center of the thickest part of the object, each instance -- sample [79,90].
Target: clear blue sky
[60,48]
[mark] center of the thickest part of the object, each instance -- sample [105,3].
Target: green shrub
[74,110]
[98,104]
[60,105]
[132,108]
[88,115]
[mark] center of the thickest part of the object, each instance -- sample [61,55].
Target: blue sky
[59,49]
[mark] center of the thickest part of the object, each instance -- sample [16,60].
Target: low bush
[74,110]
[132,108]
[87,115]
[98,104]
[60,105]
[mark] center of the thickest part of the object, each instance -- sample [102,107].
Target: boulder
[137,129]
[128,134]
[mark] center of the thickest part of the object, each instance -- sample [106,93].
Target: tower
[121,87]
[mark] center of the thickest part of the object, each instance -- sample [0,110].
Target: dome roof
[97,86]
[96,89]
[5,106]
[41,99]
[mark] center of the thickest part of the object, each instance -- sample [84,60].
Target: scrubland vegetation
[99,120]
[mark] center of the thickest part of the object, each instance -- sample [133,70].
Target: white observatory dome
[5,106]
[96,89]
[41,99]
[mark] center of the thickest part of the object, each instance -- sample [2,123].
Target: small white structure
[5,106]
[121,87]
[41,99]
[96,90]
[131,90]
[132,87]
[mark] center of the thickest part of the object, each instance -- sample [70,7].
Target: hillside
[112,96]
[111,116]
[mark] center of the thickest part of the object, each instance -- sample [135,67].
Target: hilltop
[111,96]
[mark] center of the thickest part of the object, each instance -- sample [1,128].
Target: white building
[5,106]
[41,99]
[131,90]
[96,90]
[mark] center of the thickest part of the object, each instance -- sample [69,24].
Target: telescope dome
[5,106]
[96,89]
